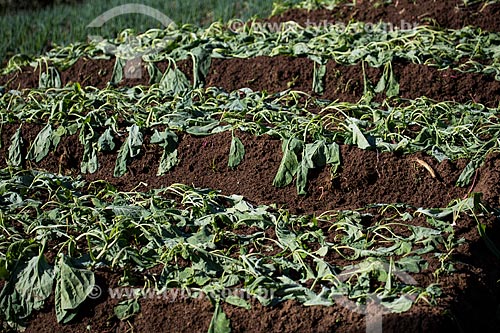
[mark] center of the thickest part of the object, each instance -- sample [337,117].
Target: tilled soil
[365,176]
[275,74]
[470,295]
[402,14]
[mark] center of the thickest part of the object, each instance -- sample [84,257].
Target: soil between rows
[365,177]
[400,13]
[276,74]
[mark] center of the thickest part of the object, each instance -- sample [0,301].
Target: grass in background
[34,32]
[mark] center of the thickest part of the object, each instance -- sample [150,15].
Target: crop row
[345,45]
[103,118]
[207,242]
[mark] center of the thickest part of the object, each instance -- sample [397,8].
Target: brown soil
[365,177]
[445,14]
[275,74]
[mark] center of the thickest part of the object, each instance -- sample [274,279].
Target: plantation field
[332,168]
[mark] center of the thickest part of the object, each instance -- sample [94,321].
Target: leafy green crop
[92,225]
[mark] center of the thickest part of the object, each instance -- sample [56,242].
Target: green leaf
[49,79]
[399,305]
[201,65]
[236,152]
[289,164]
[174,81]
[15,155]
[117,75]
[127,309]
[130,148]
[29,285]
[315,155]
[332,153]
[393,87]
[169,141]
[121,160]
[466,176]
[380,87]
[237,301]
[155,74]
[105,141]
[357,137]
[302,178]
[73,285]
[89,162]
[167,162]
[287,238]
[135,139]
[40,147]
[35,282]
[57,135]
[319,78]
[202,130]
[219,323]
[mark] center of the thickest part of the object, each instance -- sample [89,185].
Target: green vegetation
[57,231]
[35,32]
[201,239]
[444,130]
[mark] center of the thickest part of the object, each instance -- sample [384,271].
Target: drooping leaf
[169,141]
[315,155]
[105,142]
[57,135]
[168,160]
[134,139]
[73,285]
[121,160]
[89,162]
[154,72]
[15,155]
[130,148]
[332,153]
[202,130]
[319,78]
[35,282]
[29,285]
[201,65]
[302,178]
[49,78]
[237,301]
[236,152]
[174,81]
[287,238]
[393,85]
[219,323]
[126,309]
[289,164]
[466,176]
[118,69]
[358,138]
[41,145]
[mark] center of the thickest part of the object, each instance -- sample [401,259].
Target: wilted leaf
[219,323]
[105,142]
[289,164]
[15,155]
[236,152]
[73,285]
[41,145]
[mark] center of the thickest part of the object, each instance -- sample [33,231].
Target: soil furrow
[275,74]
[402,14]
[365,177]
